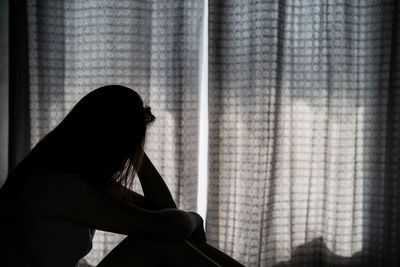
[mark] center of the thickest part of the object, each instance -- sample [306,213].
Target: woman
[77,179]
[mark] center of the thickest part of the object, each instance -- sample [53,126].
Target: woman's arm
[154,188]
[100,211]
[158,195]
[122,193]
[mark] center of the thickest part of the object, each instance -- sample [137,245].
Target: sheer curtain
[304,114]
[304,132]
[150,46]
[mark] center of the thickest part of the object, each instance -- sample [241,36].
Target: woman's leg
[145,252]
[217,255]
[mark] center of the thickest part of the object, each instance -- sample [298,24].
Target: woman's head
[102,136]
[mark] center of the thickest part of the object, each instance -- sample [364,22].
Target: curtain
[304,134]
[304,103]
[151,46]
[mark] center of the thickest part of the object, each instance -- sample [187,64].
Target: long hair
[102,139]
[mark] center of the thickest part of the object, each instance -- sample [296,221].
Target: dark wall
[3,89]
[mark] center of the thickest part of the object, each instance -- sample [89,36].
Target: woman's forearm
[124,194]
[154,188]
[99,211]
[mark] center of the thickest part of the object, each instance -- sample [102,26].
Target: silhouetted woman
[76,179]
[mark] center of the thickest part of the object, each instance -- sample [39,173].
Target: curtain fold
[304,132]
[150,46]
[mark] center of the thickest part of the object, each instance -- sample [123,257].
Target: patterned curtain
[304,141]
[153,47]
